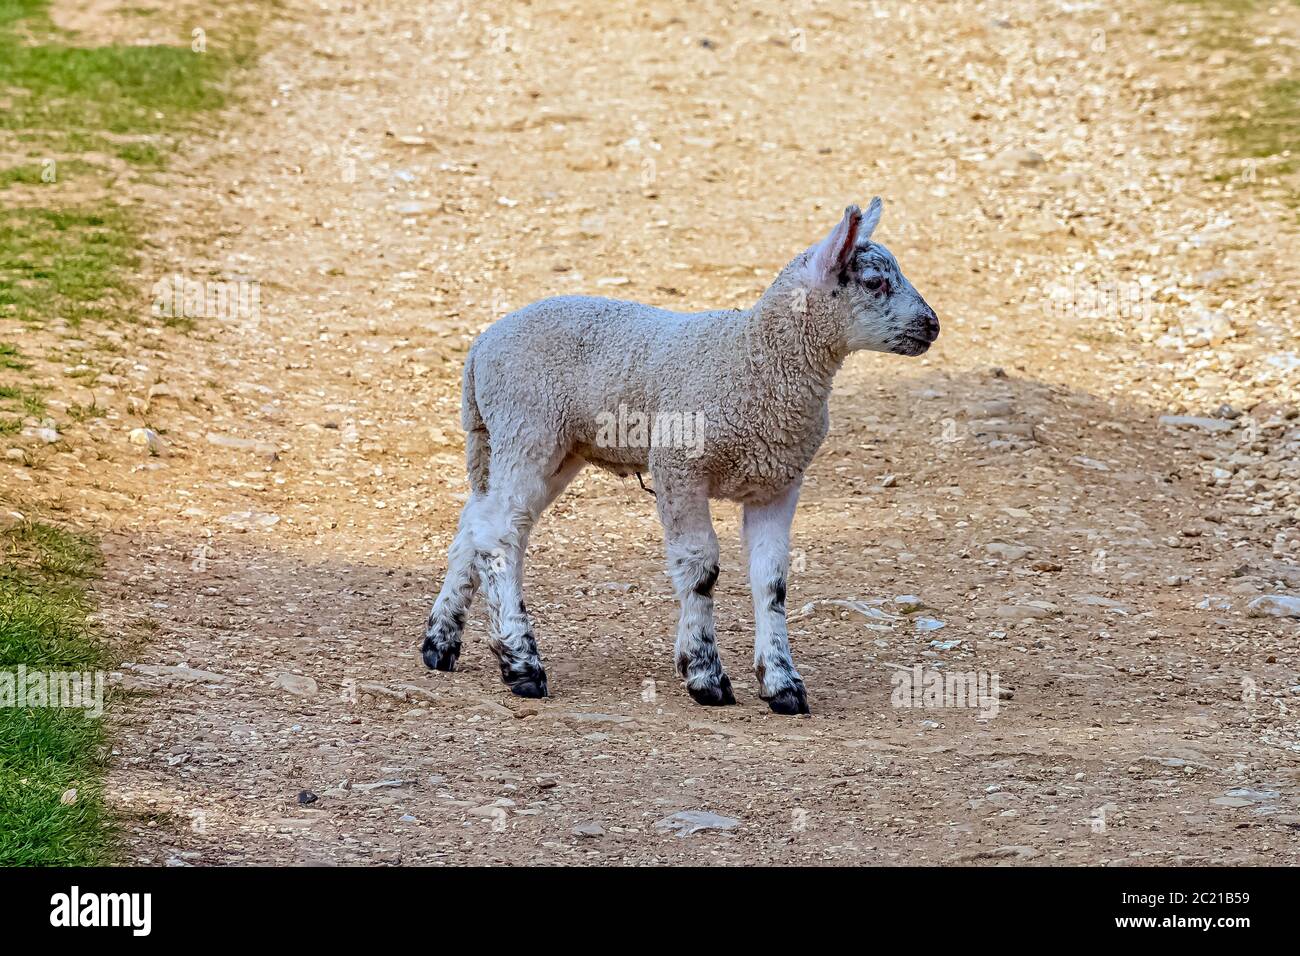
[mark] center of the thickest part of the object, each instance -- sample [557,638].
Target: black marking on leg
[776,603]
[440,656]
[718,694]
[521,671]
[704,586]
[441,646]
[783,673]
[791,701]
[532,686]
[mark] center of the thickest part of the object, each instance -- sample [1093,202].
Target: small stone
[589,830]
[251,520]
[715,730]
[1037,610]
[1008,552]
[1252,795]
[306,797]
[1090,463]
[180,672]
[147,438]
[1013,852]
[590,719]
[1093,600]
[1194,421]
[415,208]
[382,785]
[69,797]
[687,822]
[241,444]
[1019,157]
[1274,605]
[1234,803]
[999,408]
[296,684]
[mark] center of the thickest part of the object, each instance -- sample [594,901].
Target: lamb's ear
[834,252]
[870,219]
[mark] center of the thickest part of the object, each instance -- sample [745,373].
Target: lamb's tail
[478,450]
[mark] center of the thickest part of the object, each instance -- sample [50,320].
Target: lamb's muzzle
[721,404]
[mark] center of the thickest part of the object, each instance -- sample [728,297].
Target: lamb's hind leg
[441,647]
[518,495]
[767,536]
[692,550]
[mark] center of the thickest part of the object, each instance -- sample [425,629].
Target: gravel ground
[397,178]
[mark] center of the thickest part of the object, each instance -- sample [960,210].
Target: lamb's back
[577,356]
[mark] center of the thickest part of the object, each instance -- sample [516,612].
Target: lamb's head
[860,296]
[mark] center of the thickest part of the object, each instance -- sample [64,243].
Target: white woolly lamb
[545,387]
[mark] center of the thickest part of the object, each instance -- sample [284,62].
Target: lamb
[542,385]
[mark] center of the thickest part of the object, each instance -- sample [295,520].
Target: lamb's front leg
[766,529]
[692,550]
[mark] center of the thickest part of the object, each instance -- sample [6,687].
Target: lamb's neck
[785,345]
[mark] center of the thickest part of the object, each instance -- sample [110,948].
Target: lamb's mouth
[912,345]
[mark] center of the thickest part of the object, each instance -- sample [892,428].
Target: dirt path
[400,179]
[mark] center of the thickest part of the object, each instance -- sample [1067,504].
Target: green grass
[46,752]
[73,264]
[43,173]
[144,155]
[11,357]
[1258,115]
[114,88]
[30,402]
[74,260]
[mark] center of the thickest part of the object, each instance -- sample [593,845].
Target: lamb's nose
[931,326]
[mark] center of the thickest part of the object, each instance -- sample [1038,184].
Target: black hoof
[791,701]
[439,657]
[714,695]
[534,686]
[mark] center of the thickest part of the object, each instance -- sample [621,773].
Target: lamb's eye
[874,283]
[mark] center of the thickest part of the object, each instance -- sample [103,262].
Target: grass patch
[118,88]
[144,155]
[71,259]
[45,173]
[30,402]
[73,264]
[46,752]
[11,357]
[1258,113]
